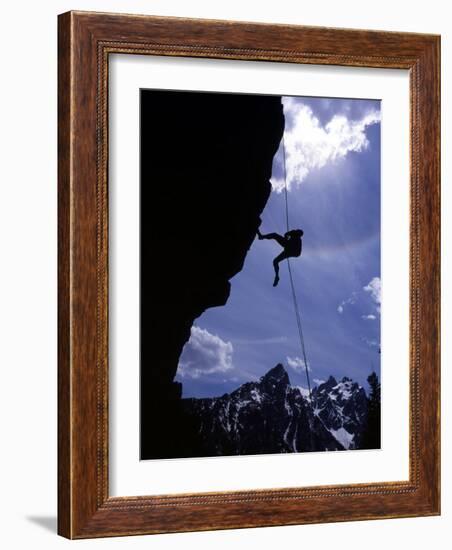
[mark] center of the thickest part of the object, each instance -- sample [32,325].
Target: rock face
[206,161]
[271,416]
[342,406]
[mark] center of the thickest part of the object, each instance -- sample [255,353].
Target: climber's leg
[276,263]
[275,236]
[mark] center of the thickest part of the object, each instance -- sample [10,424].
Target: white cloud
[319,381]
[297,364]
[374,288]
[309,145]
[205,353]
[351,300]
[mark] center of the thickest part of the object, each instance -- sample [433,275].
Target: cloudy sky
[333,177]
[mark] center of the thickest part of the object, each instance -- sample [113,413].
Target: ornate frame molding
[85,42]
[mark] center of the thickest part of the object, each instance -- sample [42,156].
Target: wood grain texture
[64,295]
[85,42]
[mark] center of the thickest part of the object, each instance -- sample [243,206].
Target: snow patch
[345,438]
[256,396]
[343,388]
[304,392]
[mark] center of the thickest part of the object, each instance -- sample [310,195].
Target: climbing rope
[285,185]
[292,285]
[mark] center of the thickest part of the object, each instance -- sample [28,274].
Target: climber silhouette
[291,242]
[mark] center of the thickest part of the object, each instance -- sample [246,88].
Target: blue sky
[333,177]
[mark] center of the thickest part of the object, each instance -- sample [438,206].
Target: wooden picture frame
[85,42]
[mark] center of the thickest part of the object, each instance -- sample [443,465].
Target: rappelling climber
[291,242]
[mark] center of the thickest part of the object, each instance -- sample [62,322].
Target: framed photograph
[248,275]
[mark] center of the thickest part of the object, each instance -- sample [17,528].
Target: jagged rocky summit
[272,416]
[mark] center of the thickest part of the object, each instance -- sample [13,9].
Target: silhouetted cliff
[206,161]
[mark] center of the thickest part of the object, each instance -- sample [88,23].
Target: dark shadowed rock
[206,162]
[275,381]
[342,406]
[268,416]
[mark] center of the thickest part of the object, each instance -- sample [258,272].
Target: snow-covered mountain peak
[272,414]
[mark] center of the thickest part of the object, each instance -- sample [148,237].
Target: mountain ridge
[272,416]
